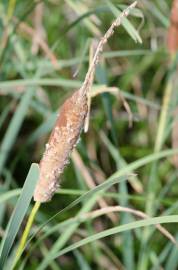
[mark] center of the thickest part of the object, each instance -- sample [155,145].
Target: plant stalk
[25,234]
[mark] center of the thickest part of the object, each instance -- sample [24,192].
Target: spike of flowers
[61,142]
[68,126]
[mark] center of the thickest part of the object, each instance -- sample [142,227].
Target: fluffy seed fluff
[68,126]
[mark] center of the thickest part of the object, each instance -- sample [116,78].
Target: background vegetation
[44,52]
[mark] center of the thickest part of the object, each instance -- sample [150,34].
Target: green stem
[25,234]
[152,184]
[163,117]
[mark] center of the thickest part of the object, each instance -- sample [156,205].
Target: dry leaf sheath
[68,126]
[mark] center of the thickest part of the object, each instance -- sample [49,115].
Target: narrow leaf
[19,213]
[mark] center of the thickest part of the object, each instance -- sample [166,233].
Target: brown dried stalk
[29,31]
[38,27]
[68,126]
[138,213]
[173,29]
[90,182]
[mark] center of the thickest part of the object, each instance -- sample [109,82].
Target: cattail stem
[25,234]
[91,71]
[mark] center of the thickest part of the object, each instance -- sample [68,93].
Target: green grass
[128,166]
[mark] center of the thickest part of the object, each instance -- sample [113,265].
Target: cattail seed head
[69,124]
[63,139]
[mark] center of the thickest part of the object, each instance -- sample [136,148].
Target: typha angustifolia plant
[72,119]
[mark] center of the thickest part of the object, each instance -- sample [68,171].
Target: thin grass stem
[25,234]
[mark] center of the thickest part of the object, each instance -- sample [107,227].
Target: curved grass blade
[117,229]
[126,23]
[14,126]
[115,178]
[101,9]
[9,194]
[19,213]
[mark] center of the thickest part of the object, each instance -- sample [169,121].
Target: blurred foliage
[43,44]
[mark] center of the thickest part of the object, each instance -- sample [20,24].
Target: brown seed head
[68,126]
[61,142]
